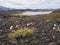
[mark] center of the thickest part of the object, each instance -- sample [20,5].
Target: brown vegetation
[55,14]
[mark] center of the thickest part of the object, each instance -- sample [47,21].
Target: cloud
[30,3]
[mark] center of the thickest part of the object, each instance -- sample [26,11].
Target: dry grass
[55,14]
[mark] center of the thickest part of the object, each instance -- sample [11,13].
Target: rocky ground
[44,35]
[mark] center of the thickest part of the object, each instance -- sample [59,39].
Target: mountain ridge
[2,8]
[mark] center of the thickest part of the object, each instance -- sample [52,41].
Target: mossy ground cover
[21,32]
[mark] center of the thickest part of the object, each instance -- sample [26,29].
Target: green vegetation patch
[47,20]
[58,29]
[21,32]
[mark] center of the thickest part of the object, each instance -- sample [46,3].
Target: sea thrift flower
[54,28]
[18,26]
[11,28]
[31,25]
[55,25]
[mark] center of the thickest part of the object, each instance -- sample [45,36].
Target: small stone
[58,42]
[53,37]
[26,41]
[52,43]
[0,19]
[13,41]
[0,30]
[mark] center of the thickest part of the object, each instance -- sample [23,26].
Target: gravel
[44,34]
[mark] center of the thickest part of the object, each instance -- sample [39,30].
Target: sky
[31,4]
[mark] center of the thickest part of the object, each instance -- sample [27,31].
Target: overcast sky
[33,4]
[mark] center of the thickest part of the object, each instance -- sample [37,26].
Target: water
[37,13]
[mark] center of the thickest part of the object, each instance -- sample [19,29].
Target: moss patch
[21,32]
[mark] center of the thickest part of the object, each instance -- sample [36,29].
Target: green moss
[58,29]
[22,32]
[47,21]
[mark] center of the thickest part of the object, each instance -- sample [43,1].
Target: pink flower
[31,24]
[12,28]
[18,26]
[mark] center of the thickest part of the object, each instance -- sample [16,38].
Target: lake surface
[37,13]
